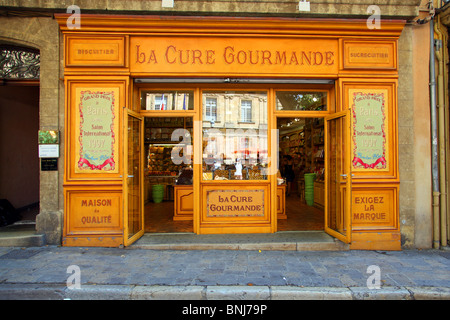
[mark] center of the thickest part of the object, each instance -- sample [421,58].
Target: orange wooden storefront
[112,60]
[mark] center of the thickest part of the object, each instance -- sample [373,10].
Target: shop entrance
[168,196]
[314,162]
[19,163]
[302,168]
[168,175]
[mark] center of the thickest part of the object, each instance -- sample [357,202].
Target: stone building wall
[322,8]
[43,33]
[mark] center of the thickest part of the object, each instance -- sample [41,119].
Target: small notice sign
[49,151]
[49,164]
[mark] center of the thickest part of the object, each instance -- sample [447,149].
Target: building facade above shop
[405,9]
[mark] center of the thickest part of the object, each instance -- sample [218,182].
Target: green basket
[158,193]
[309,179]
[309,188]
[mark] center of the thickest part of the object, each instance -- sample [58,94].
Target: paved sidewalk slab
[120,273]
[168,293]
[309,293]
[430,293]
[237,293]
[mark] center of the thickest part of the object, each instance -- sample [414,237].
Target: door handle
[130,176]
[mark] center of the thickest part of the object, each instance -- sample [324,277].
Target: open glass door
[338,177]
[133,177]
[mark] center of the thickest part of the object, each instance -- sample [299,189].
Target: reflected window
[160,102]
[302,101]
[246,111]
[211,109]
[235,140]
[167,100]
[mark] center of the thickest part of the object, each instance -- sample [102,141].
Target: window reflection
[303,101]
[167,100]
[234,135]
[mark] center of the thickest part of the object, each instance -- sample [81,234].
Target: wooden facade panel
[93,216]
[94,212]
[370,55]
[95,51]
[374,208]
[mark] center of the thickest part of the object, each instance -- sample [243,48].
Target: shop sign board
[235,203]
[89,51]
[90,212]
[374,208]
[370,55]
[233,56]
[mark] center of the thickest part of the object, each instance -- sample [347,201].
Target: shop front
[230,125]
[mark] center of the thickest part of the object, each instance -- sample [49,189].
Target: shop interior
[302,167]
[165,172]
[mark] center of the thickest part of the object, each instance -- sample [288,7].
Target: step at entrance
[21,235]
[292,240]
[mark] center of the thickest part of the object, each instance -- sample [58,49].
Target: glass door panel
[338,177]
[134,218]
[235,143]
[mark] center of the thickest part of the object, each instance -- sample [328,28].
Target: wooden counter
[184,202]
[281,202]
[319,194]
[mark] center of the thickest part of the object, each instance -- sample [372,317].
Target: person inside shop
[288,172]
[238,167]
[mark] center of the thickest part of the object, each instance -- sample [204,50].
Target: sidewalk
[115,273]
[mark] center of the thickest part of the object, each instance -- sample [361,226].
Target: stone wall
[322,8]
[43,34]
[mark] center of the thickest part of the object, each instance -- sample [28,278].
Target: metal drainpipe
[434,141]
[442,142]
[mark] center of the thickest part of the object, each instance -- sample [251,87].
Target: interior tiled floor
[159,218]
[301,217]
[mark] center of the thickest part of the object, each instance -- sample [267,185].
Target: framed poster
[373,128]
[97,124]
[370,136]
[96,130]
[93,149]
